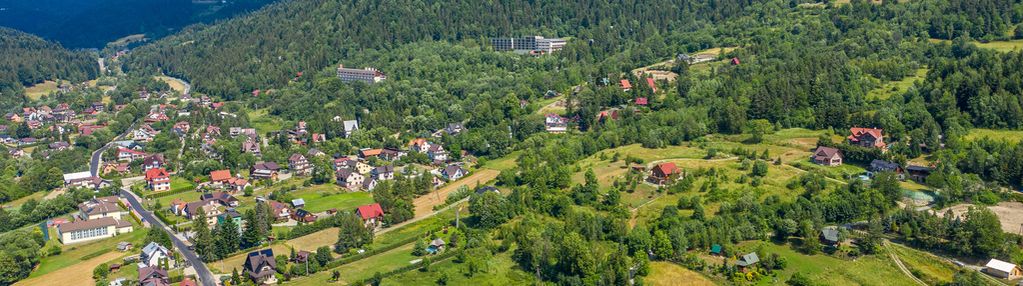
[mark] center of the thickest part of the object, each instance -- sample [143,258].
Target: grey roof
[882,165]
[151,248]
[748,259]
[830,233]
[351,125]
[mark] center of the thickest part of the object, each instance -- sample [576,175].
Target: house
[211,209]
[302,215]
[642,101]
[454,128]
[302,256]
[436,153]
[87,230]
[60,146]
[371,214]
[391,154]
[152,162]
[554,123]
[187,282]
[177,206]
[716,249]
[735,61]
[261,267]
[453,172]
[419,145]
[236,184]
[158,180]
[112,167]
[437,245]
[16,152]
[221,198]
[829,236]
[918,173]
[252,147]
[367,153]
[298,203]
[99,208]
[1002,269]
[181,128]
[232,215]
[280,210]
[315,152]
[153,255]
[650,83]
[626,85]
[664,173]
[369,184]
[220,176]
[77,180]
[747,261]
[156,117]
[144,134]
[13,117]
[350,127]
[867,137]
[299,165]
[264,170]
[153,276]
[877,166]
[128,155]
[827,156]
[383,172]
[349,179]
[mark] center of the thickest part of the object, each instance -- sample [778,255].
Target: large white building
[535,44]
[367,75]
[88,230]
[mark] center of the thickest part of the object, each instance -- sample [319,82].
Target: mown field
[827,270]
[500,270]
[75,263]
[670,274]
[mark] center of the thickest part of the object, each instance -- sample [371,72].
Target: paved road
[97,156]
[205,276]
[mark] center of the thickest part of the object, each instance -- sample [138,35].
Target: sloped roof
[370,211]
[1000,265]
[220,175]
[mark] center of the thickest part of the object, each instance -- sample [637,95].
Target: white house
[1002,269]
[153,254]
[87,230]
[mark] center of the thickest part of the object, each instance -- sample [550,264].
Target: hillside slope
[26,59]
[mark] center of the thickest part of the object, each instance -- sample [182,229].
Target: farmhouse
[372,214]
[827,156]
[664,173]
[867,137]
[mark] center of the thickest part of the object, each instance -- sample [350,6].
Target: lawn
[500,270]
[226,265]
[172,82]
[1002,46]
[364,268]
[1007,135]
[667,273]
[263,122]
[179,184]
[925,266]
[37,91]
[888,89]
[504,163]
[319,202]
[827,270]
[16,204]
[424,204]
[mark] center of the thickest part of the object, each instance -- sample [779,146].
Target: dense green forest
[92,24]
[28,59]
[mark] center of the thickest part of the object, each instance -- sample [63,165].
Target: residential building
[252,147]
[747,261]
[366,75]
[371,214]
[153,276]
[158,180]
[867,137]
[152,162]
[350,127]
[530,44]
[260,266]
[128,155]
[264,171]
[302,215]
[349,179]
[664,173]
[453,172]
[436,153]
[221,198]
[299,165]
[99,208]
[154,255]
[827,156]
[383,172]
[554,123]
[87,230]
[280,210]
[918,173]
[84,180]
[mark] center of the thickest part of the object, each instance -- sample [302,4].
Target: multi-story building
[528,44]
[367,75]
[158,180]
[86,230]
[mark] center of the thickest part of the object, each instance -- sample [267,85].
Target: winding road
[205,276]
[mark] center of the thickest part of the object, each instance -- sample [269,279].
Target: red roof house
[650,82]
[735,61]
[626,85]
[867,137]
[219,176]
[642,101]
[663,173]
[371,214]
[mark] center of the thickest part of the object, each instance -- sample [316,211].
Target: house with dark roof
[347,178]
[302,215]
[918,173]
[153,276]
[830,236]
[264,170]
[827,156]
[153,161]
[747,261]
[299,165]
[383,172]
[221,198]
[453,172]
[878,165]
[260,266]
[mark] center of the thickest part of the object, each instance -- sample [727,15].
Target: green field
[670,274]
[827,270]
[1008,135]
[1002,46]
[73,254]
[364,268]
[318,202]
[925,266]
[888,89]
[500,270]
[181,184]
[37,91]
[263,123]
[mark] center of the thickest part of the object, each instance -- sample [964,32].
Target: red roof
[651,84]
[626,84]
[858,132]
[735,61]
[666,168]
[136,152]
[641,101]
[156,173]
[370,211]
[220,175]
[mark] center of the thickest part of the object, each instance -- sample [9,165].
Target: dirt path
[77,274]
[424,204]
[891,253]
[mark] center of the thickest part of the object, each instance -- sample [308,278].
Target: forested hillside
[26,59]
[268,47]
[92,24]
